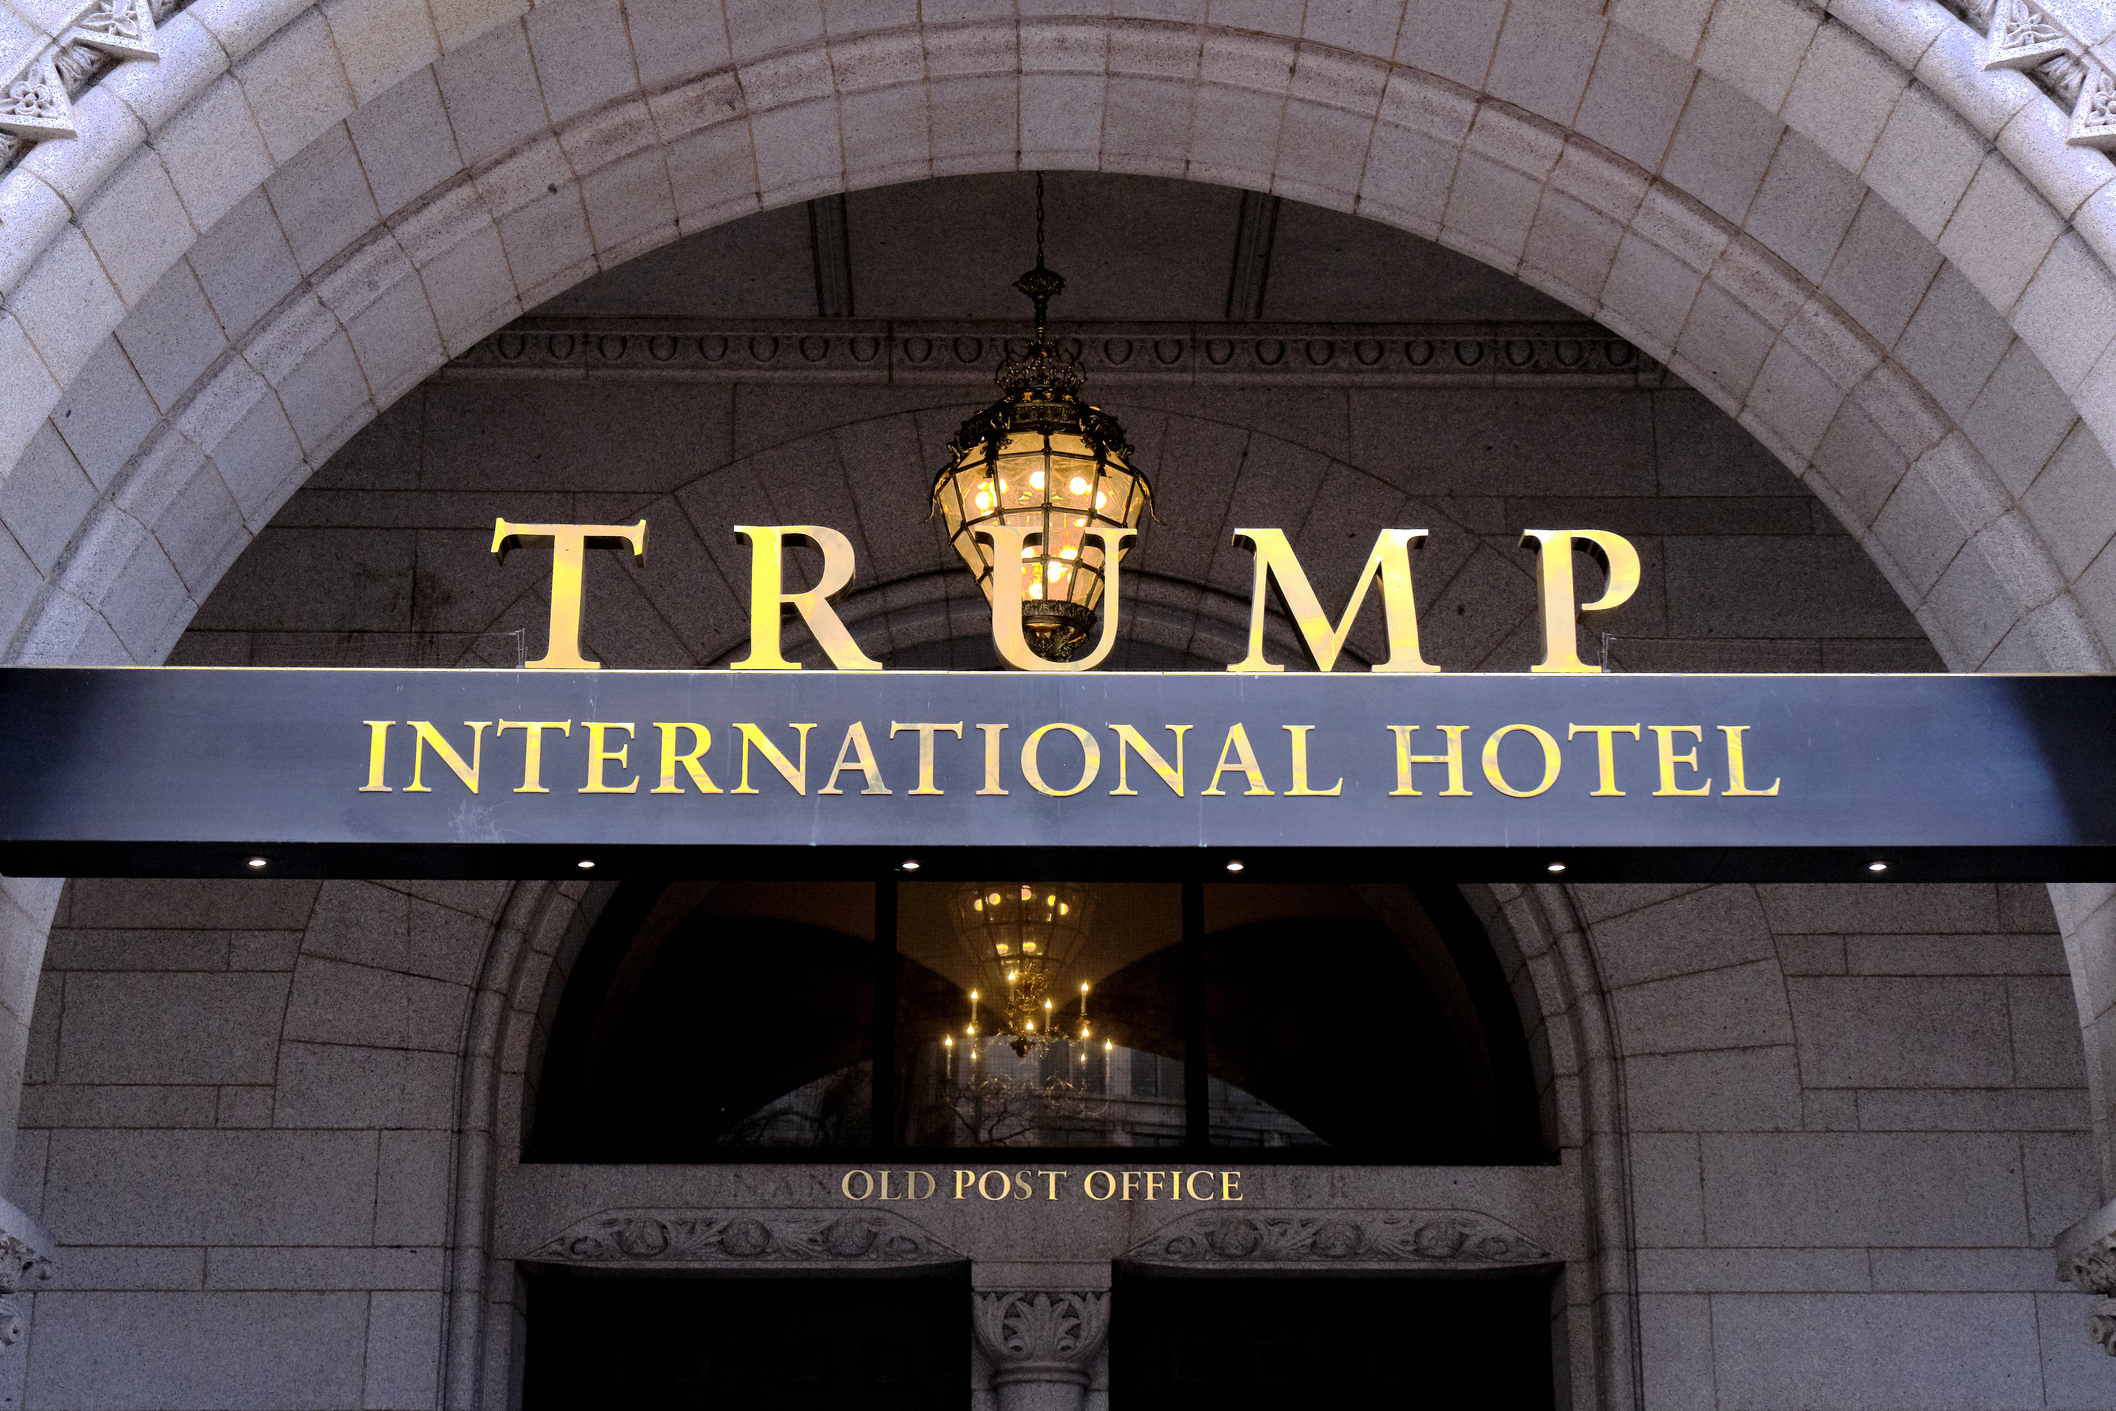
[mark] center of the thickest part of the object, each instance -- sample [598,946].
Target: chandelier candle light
[1025,935]
[1049,473]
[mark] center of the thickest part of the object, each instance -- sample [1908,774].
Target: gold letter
[1669,759]
[1088,1185]
[1452,759]
[377,755]
[798,777]
[1738,769]
[568,551]
[846,1185]
[1129,1177]
[960,1177]
[885,1188]
[856,740]
[1605,753]
[1190,1183]
[1153,1184]
[1129,739]
[427,735]
[925,730]
[533,749]
[1238,745]
[1051,1178]
[1090,763]
[911,1180]
[1618,560]
[768,595]
[1300,789]
[598,757]
[1391,558]
[991,759]
[1229,1181]
[1008,591]
[670,759]
[1553,761]
[1022,1189]
[1005,1185]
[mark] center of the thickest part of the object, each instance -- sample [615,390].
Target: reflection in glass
[1003,1084]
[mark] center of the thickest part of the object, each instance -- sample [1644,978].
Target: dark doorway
[1209,1344]
[780,1344]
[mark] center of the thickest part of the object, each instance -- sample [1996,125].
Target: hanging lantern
[1047,465]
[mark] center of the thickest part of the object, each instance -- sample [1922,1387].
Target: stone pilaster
[1041,1346]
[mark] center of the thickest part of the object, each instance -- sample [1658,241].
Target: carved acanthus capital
[2091,1268]
[1040,1338]
[24,1262]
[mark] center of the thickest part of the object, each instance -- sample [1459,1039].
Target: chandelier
[1050,468]
[1022,936]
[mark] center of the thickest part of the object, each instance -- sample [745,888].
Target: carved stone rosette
[1041,1346]
[1290,1239]
[2092,1269]
[700,1238]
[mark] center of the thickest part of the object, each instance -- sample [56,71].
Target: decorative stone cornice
[968,354]
[1286,1239]
[688,1239]
[2034,37]
[36,100]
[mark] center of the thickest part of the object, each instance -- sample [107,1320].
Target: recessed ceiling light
[257,862]
[1234,867]
[1555,867]
[1876,867]
[909,864]
[586,863]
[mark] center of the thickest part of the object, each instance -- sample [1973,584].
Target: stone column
[1041,1346]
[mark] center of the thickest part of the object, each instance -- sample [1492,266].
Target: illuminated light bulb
[1035,590]
[1054,570]
[994,899]
[1002,947]
[1050,901]
[1046,1004]
[1030,1026]
[984,499]
[973,994]
[1101,499]
[1029,947]
[1079,485]
[978,904]
[1069,553]
[1012,976]
[1108,1045]
[970,1029]
[1036,479]
[1083,987]
[1028,551]
[1028,894]
[1065,908]
[949,1041]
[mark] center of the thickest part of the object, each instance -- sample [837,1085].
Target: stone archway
[278,145]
